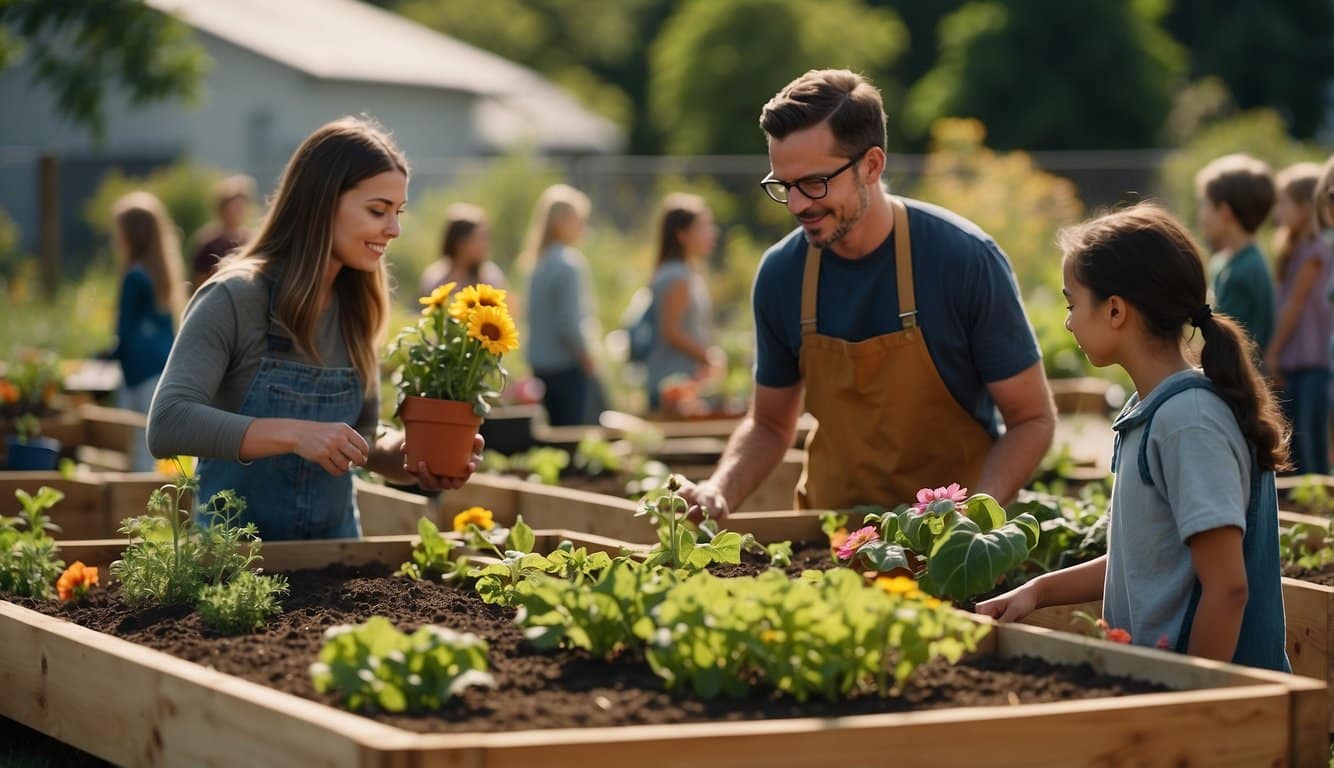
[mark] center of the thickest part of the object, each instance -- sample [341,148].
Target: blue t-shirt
[968,306]
[144,333]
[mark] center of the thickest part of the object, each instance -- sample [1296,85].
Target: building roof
[353,41]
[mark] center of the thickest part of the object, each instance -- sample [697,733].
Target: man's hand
[704,498]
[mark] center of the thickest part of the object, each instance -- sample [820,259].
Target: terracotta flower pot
[440,433]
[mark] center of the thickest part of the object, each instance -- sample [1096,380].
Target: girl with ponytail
[1192,562]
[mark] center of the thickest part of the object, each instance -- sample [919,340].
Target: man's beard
[845,225]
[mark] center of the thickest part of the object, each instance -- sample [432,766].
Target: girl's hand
[1011,606]
[431,482]
[1271,367]
[336,446]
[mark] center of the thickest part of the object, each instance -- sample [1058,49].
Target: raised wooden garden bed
[94,504]
[100,437]
[1084,395]
[134,705]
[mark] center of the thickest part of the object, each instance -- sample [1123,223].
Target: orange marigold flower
[837,539]
[76,581]
[1118,635]
[8,392]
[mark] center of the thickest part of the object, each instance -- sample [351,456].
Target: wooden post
[48,196]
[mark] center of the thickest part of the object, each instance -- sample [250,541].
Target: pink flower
[1163,643]
[856,540]
[927,496]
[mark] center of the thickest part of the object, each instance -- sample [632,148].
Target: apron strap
[903,264]
[810,282]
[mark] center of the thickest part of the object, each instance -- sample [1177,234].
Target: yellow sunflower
[494,328]
[437,297]
[490,296]
[482,518]
[465,302]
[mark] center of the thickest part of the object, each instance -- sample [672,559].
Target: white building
[278,70]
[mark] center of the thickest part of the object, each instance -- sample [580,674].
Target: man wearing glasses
[897,322]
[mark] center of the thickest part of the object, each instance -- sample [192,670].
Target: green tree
[1269,54]
[716,64]
[79,48]
[1050,74]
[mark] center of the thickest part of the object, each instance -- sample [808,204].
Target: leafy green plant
[29,382]
[374,666]
[595,456]
[432,555]
[28,563]
[1309,547]
[542,464]
[679,546]
[957,546]
[604,617]
[1312,497]
[171,561]
[1072,531]
[243,604]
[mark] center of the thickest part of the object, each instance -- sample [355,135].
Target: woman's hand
[335,446]
[431,482]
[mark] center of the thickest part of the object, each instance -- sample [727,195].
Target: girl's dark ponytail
[1146,257]
[1228,359]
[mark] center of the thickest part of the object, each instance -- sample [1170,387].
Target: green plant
[679,546]
[454,353]
[1312,497]
[173,562]
[542,464]
[243,604]
[432,556]
[956,547]
[595,456]
[604,617]
[498,582]
[1306,546]
[28,563]
[374,666]
[1072,531]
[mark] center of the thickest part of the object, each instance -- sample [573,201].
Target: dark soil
[535,690]
[806,556]
[1323,575]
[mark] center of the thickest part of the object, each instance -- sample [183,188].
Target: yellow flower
[490,296]
[437,297]
[170,467]
[898,585]
[932,602]
[494,328]
[473,516]
[770,635]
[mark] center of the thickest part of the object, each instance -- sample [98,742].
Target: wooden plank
[498,493]
[127,495]
[1061,617]
[778,491]
[1288,482]
[111,428]
[80,515]
[1083,395]
[386,511]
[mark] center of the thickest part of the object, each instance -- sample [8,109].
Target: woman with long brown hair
[681,308]
[464,252]
[274,382]
[152,295]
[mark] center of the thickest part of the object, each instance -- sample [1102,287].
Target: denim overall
[286,496]
[1263,635]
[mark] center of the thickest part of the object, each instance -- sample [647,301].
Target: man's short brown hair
[1244,182]
[842,98]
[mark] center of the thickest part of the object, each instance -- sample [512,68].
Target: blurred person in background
[562,322]
[465,249]
[152,296]
[218,238]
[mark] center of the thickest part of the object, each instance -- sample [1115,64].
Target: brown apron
[887,423]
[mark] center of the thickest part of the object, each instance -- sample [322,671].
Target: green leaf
[985,511]
[521,536]
[967,563]
[884,556]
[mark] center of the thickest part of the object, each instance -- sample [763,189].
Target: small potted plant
[448,373]
[25,451]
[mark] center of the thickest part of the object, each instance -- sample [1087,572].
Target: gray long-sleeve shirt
[223,338]
[560,310]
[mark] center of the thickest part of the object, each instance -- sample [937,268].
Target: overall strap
[1145,417]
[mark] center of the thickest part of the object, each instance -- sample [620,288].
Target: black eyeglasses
[813,187]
